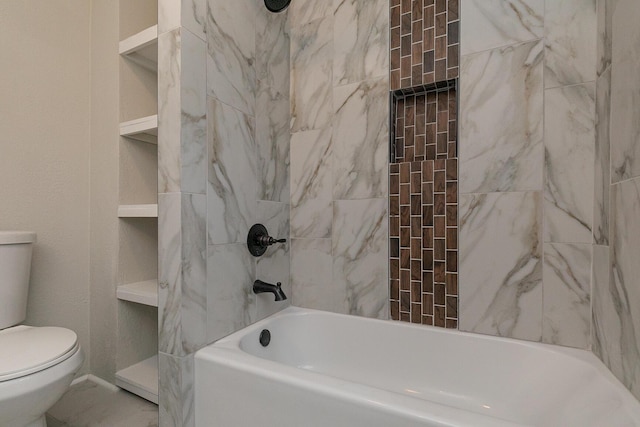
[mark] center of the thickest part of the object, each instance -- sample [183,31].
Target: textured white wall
[44,151]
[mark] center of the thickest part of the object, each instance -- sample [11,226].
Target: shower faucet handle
[258,240]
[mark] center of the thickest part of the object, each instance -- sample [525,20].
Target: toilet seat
[25,350]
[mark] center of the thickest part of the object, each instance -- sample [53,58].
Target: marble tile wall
[528,158]
[615,316]
[223,165]
[339,155]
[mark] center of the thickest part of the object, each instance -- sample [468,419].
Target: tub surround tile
[625,269]
[182,292]
[182,148]
[426,126]
[360,140]
[233,181]
[602,171]
[231,303]
[567,294]
[169,274]
[312,75]
[604,16]
[193,101]
[360,254]
[273,143]
[272,50]
[570,42]
[191,15]
[501,146]
[169,107]
[361,40]
[274,265]
[569,163]
[194,281]
[311,177]
[312,284]
[501,294]
[303,12]
[423,257]
[625,92]
[231,74]
[606,319]
[425,43]
[176,399]
[497,23]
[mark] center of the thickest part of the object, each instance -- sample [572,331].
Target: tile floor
[88,404]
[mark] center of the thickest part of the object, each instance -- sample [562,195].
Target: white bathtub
[330,370]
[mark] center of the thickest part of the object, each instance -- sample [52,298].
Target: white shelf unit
[141,379]
[140,292]
[142,48]
[144,129]
[137,167]
[138,211]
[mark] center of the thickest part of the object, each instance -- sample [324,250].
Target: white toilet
[37,364]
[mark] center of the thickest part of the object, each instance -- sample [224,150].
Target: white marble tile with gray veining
[312,282]
[607,327]
[625,292]
[605,32]
[274,265]
[571,36]
[360,256]
[302,12]
[361,40]
[501,129]
[169,109]
[501,264]
[272,50]
[231,74]
[193,98]
[233,183]
[625,92]
[566,315]
[360,140]
[602,171]
[194,274]
[273,143]
[176,385]
[569,160]
[231,304]
[169,274]
[494,23]
[311,184]
[312,75]
[189,14]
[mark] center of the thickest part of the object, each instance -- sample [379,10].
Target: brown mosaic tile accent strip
[425,126]
[423,215]
[425,37]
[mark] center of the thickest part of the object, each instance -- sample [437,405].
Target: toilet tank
[15,267]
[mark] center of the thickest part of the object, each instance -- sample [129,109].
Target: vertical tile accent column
[424,42]
[423,175]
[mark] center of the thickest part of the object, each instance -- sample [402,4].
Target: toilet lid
[25,350]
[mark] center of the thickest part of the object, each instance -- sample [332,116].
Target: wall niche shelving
[137,284]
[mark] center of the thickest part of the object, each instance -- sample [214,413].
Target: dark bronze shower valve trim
[258,240]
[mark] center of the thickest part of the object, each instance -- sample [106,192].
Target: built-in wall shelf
[138,211]
[142,48]
[140,292]
[141,379]
[144,129]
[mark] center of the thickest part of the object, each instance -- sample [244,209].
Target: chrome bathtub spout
[260,287]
